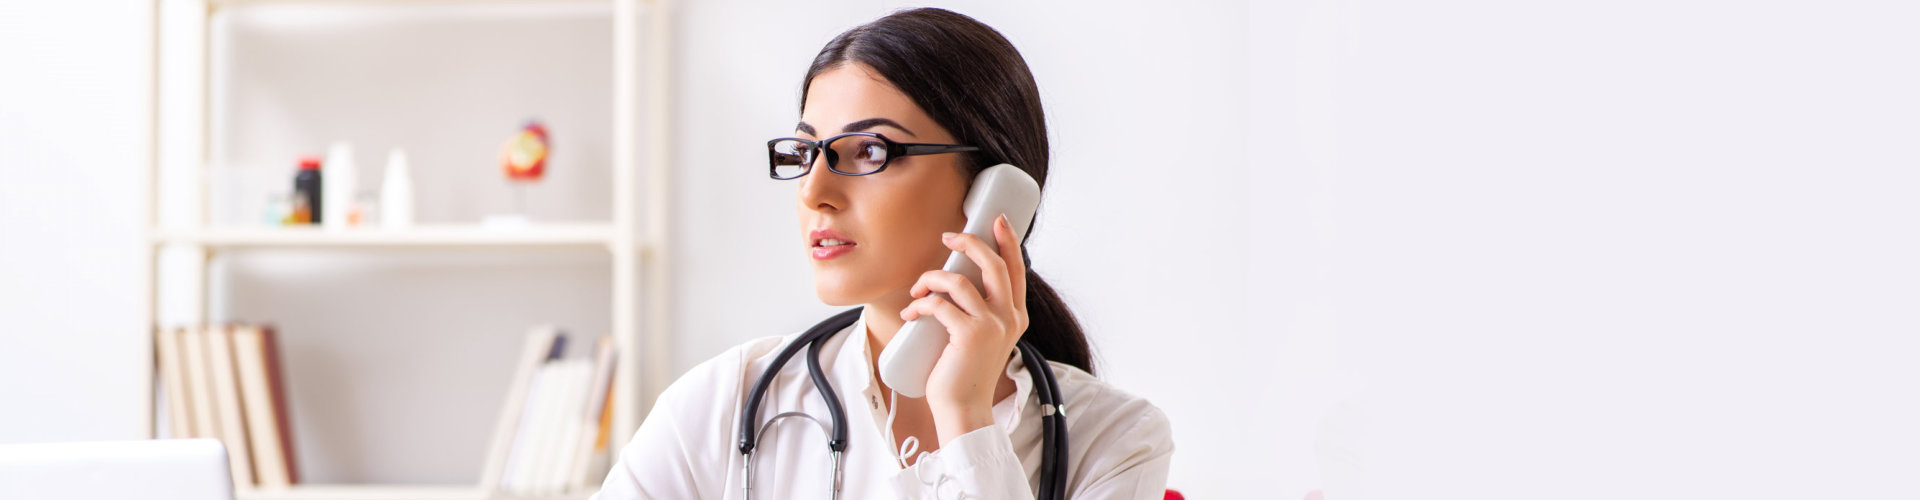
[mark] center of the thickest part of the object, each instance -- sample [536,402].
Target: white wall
[1630,249]
[72,128]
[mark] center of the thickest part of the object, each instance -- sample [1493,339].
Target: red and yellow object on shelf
[525,155]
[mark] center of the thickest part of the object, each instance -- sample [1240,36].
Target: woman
[878,229]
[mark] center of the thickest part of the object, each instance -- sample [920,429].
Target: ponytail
[1051,327]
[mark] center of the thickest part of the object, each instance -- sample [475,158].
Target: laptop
[161,469]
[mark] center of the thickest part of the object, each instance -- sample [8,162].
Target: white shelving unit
[179,171]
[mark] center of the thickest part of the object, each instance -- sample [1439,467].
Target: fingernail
[946,236]
[1003,221]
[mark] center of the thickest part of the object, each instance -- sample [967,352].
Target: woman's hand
[983,325]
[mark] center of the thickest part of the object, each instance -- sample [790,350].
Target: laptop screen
[162,469]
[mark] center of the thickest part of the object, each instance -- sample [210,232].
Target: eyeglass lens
[849,154]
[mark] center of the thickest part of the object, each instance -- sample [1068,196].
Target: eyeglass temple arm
[928,149]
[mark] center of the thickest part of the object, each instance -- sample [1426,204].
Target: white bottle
[396,192]
[339,181]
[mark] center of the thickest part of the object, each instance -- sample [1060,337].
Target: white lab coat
[688,447]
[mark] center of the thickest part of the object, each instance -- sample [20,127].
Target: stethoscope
[1053,461]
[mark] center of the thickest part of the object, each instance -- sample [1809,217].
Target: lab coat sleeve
[1127,460]
[978,464]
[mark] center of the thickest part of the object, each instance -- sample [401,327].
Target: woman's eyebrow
[863,125]
[857,126]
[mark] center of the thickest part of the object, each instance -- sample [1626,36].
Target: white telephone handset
[1000,189]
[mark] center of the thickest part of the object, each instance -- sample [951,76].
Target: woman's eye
[873,150]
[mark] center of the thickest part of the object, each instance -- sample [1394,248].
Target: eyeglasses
[869,153]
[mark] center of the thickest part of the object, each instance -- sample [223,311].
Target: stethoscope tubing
[752,413]
[1053,417]
[1053,414]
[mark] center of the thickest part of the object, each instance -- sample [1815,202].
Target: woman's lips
[828,252]
[828,244]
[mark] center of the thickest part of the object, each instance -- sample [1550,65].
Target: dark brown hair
[972,81]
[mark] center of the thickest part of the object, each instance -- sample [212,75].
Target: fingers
[993,267]
[958,288]
[1000,297]
[1010,252]
[941,309]
[965,329]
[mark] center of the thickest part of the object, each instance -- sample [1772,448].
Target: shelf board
[224,3]
[391,492]
[456,235]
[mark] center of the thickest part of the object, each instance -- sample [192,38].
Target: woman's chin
[835,289]
[839,302]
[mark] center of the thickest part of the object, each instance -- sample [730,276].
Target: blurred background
[1377,249]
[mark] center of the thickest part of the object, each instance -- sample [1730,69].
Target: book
[593,420]
[536,422]
[554,424]
[263,394]
[541,344]
[283,418]
[553,469]
[169,362]
[198,396]
[601,461]
[226,402]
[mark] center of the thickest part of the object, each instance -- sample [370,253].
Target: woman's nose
[820,188]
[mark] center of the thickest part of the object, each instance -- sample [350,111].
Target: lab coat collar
[853,367]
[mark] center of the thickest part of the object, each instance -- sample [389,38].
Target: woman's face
[889,223]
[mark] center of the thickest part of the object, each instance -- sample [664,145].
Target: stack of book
[226,383]
[551,437]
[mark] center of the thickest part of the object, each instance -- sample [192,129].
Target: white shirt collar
[853,367]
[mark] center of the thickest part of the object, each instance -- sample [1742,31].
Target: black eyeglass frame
[894,150]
